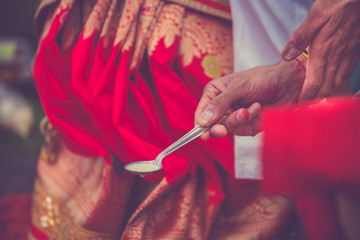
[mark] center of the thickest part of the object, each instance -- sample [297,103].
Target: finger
[239,122]
[315,72]
[303,35]
[227,124]
[218,131]
[210,92]
[251,126]
[250,129]
[205,136]
[218,128]
[217,108]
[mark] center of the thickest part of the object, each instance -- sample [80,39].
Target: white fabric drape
[260,31]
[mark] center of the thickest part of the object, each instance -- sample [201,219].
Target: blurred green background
[17,49]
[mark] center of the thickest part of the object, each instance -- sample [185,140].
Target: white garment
[260,31]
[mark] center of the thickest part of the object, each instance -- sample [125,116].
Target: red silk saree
[119,81]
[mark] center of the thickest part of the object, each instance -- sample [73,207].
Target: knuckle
[209,86]
[218,102]
[339,85]
[314,84]
[332,69]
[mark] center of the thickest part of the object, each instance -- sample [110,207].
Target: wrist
[295,71]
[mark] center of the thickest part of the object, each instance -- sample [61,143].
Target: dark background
[16,24]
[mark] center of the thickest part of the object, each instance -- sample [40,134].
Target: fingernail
[254,109]
[206,117]
[242,116]
[290,52]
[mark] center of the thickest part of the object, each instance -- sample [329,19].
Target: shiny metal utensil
[147,167]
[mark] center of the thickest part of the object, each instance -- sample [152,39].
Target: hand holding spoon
[147,167]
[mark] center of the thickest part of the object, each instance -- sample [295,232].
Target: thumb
[304,34]
[216,109]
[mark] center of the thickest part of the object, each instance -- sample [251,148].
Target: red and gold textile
[113,77]
[120,81]
[312,154]
[78,197]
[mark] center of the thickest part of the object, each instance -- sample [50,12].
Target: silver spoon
[147,167]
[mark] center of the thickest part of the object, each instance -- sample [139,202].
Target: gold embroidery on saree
[143,23]
[51,144]
[184,210]
[168,27]
[96,18]
[206,37]
[259,219]
[147,21]
[211,66]
[200,37]
[206,8]
[113,13]
[47,21]
[52,219]
[128,15]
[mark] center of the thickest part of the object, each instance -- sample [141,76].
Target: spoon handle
[188,137]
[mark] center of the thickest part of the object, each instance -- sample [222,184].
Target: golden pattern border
[51,218]
[203,8]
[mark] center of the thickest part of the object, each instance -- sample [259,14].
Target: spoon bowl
[148,167]
[143,167]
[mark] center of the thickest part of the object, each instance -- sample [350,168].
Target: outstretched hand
[332,32]
[234,101]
